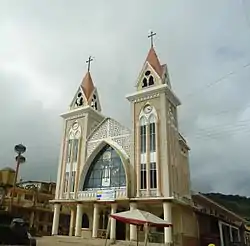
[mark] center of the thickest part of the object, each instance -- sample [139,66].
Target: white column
[138,160]
[158,176]
[60,174]
[79,211]
[113,223]
[167,211]
[72,221]
[70,176]
[95,220]
[56,219]
[133,233]
[221,233]
[148,158]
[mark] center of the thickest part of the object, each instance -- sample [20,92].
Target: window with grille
[153,175]
[143,176]
[152,137]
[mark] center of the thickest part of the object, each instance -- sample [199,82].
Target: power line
[215,82]
[225,127]
[216,136]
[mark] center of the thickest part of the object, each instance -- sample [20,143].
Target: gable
[108,128]
[148,76]
[112,130]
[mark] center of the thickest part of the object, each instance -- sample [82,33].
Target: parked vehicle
[16,233]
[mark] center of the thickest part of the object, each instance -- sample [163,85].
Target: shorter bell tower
[83,116]
[156,152]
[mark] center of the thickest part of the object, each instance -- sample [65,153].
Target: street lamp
[19,149]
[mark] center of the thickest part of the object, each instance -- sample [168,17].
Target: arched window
[148,119]
[85,221]
[94,102]
[152,133]
[79,99]
[148,79]
[106,171]
[143,133]
[72,156]
[152,144]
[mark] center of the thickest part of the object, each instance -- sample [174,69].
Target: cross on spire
[151,36]
[89,61]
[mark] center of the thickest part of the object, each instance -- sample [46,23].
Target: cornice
[154,92]
[80,112]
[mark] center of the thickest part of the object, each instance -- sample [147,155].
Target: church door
[120,229]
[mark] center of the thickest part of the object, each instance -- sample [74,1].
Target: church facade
[105,167]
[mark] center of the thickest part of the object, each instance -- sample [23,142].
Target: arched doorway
[85,221]
[103,219]
[120,228]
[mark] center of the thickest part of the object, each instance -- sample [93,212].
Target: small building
[30,201]
[217,224]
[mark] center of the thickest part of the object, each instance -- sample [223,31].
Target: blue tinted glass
[106,171]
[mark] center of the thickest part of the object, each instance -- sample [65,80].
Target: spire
[86,94]
[153,60]
[87,85]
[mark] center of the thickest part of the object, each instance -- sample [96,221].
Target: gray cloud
[43,50]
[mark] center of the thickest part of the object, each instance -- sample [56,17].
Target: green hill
[237,204]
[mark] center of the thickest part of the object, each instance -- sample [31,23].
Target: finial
[151,36]
[89,61]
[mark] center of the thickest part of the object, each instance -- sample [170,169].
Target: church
[105,167]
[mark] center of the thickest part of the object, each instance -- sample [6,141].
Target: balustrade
[93,194]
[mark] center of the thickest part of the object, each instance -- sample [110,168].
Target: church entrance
[103,223]
[103,220]
[120,229]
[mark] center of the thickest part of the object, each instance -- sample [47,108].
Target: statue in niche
[106,169]
[106,176]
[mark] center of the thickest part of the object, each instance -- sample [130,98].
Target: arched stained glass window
[106,171]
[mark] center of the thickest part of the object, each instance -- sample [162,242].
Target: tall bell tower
[156,151]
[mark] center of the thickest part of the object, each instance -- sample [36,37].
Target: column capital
[133,205]
[73,208]
[57,206]
[57,203]
[166,201]
[114,205]
[96,205]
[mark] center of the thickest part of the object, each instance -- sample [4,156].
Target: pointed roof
[153,60]
[87,85]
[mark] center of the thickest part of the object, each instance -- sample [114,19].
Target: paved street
[63,241]
[66,241]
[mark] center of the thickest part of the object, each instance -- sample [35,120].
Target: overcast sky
[43,49]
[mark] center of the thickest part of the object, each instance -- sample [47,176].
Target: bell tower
[156,151]
[83,115]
